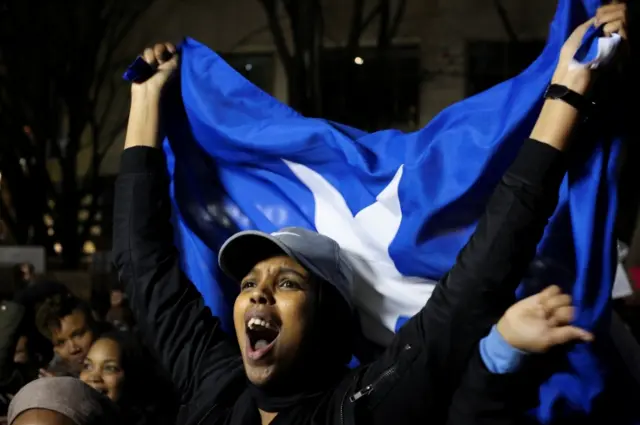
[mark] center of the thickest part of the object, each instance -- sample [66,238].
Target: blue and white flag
[402,205]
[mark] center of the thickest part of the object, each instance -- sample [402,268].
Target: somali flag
[402,205]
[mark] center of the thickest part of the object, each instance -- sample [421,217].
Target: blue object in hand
[139,71]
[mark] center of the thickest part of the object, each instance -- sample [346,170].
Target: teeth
[254,321]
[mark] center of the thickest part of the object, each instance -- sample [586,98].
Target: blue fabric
[227,142]
[498,356]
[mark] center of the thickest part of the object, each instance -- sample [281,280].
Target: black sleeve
[482,283]
[485,398]
[170,311]
[427,358]
[11,315]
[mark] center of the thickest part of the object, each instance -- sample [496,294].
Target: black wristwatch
[578,101]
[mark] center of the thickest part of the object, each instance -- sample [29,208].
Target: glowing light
[57,247]
[48,220]
[358,60]
[89,247]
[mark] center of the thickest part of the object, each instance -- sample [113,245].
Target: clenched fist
[144,127]
[163,57]
[540,322]
[613,19]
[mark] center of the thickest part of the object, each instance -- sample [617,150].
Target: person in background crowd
[23,351]
[293,317]
[119,314]
[11,380]
[32,298]
[23,275]
[119,368]
[69,324]
[61,401]
[19,357]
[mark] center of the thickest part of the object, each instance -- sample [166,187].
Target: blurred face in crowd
[271,315]
[116,298]
[102,368]
[42,417]
[21,355]
[27,271]
[73,338]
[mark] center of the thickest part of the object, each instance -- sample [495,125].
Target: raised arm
[494,391]
[429,355]
[170,312]
[482,283]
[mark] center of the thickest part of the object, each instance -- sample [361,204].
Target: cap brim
[242,251]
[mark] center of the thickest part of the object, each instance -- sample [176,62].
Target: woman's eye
[289,284]
[86,366]
[112,369]
[247,284]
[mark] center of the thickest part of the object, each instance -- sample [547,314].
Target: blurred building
[444,51]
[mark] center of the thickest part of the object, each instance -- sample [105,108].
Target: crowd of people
[45,331]
[159,356]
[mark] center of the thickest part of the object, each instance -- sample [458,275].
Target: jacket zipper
[371,387]
[342,404]
[206,415]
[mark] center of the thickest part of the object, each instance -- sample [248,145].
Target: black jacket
[432,360]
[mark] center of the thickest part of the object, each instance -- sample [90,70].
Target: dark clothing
[11,317]
[11,379]
[416,377]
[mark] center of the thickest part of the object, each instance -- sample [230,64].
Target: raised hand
[537,323]
[144,127]
[163,57]
[613,19]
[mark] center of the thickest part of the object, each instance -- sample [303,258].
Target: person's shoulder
[216,401]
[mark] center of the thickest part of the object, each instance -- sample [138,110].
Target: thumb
[565,334]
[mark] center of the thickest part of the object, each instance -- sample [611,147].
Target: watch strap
[578,101]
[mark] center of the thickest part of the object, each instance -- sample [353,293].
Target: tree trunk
[69,205]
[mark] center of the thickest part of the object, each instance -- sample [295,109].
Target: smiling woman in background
[117,367]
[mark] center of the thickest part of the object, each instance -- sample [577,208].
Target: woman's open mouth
[261,336]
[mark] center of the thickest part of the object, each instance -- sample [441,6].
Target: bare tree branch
[113,91]
[396,22]
[245,39]
[370,17]
[71,90]
[121,31]
[277,33]
[506,22]
[355,29]
[6,217]
[383,28]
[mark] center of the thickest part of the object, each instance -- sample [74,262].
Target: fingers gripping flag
[402,205]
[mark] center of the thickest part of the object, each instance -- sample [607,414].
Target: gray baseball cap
[319,254]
